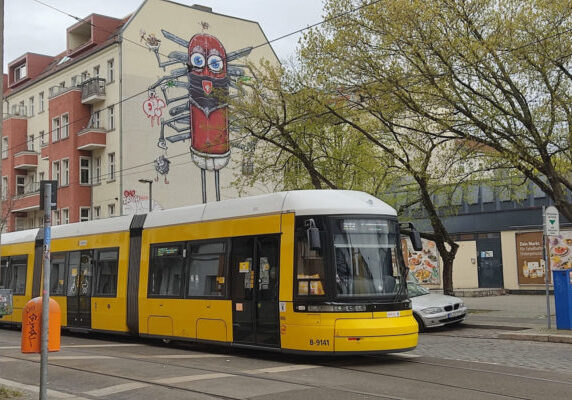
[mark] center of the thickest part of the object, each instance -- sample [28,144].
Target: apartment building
[117,107]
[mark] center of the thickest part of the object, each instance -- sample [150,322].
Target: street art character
[153,108]
[200,112]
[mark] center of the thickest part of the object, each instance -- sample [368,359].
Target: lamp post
[150,182]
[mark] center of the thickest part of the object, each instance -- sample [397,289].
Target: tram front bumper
[356,335]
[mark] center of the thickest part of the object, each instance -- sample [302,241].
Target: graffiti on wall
[134,203]
[195,92]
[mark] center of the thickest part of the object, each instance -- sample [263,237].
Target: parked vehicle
[432,309]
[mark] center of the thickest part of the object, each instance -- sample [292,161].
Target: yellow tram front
[350,293]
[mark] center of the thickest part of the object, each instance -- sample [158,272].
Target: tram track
[333,364]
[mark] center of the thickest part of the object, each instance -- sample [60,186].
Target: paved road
[448,364]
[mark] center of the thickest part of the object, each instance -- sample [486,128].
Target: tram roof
[301,202]
[28,235]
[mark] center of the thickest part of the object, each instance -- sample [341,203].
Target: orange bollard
[32,326]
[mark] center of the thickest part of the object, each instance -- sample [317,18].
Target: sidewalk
[522,316]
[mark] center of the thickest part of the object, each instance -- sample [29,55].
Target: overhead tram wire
[145,47]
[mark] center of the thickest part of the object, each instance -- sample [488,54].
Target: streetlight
[150,182]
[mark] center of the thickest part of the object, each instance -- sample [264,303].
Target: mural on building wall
[134,203]
[561,251]
[153,108]
[529,258]
[195,91]
[423,265]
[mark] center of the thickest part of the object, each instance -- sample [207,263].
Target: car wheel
[419,322]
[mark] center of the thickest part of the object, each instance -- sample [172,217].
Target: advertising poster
[424,265]
[561,251]
[530,264]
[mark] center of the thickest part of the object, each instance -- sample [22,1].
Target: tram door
[80,274]
[254,264]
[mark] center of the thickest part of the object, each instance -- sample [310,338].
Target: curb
[538,337]
[473,325]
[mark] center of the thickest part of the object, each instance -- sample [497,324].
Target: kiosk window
[166,271]
[58,274]
[106,267]
[207,270]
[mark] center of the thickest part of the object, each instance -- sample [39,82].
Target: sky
[30,26]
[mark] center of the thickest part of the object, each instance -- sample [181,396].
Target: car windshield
[416,290]
[366,255]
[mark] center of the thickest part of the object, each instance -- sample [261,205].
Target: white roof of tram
[301,202]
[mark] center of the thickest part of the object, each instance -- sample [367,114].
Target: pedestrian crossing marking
[116,389]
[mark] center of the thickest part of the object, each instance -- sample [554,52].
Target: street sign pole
[551,225]
[46,291]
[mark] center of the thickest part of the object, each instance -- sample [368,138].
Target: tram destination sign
[551,221]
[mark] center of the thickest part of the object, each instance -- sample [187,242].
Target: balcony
[93,91]
[26,160]
[91,139]
[27,198]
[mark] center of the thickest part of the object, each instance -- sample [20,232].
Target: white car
[432,309]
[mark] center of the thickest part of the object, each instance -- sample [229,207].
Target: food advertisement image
[529,258]
[424,265]
[561,251]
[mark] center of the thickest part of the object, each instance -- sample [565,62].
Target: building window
[74,81]
[65,172]
[97,212]
[110,118]
[95,120]
[5,147]
[14,109]
[97,170]
[43,140]
[22,109]
[20,184]
[55,217]
[55,129]
[111,166]
[65,216]
[31,106]
[63,84]
[41,102]
[65,126]
[111,210]
[85,171]
[41,176]
[4,187]
[96,71]
[30,142]
[56,171]
[20,72]
[110,71]
[84,214]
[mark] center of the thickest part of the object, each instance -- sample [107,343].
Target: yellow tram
[301,271]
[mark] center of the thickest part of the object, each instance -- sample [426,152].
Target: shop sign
[530,264]
[423,265]
[560,251]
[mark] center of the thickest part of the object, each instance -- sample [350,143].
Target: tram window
[207,270]
[57,274]
[310,268]
[73,273]
[166,271]
[106,270]
[13,274]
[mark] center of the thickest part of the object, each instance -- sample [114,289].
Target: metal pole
[46,292]
[150,195]
[546,265]
[204,184]
[217,184]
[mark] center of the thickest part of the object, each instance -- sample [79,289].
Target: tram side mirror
[415,240]
[313,234]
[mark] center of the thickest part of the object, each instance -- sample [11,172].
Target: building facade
[121,105]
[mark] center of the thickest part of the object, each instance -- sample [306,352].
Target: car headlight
[431,310]
[461,305]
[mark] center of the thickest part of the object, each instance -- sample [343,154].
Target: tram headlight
[431,310]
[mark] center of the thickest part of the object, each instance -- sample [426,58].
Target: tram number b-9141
[319,342]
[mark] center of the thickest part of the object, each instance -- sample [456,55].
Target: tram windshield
[366,258]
